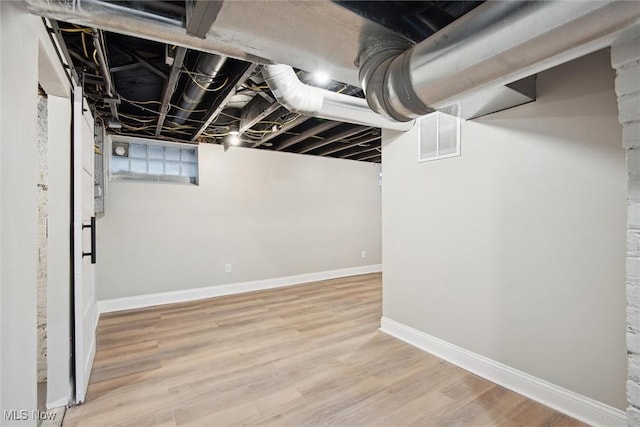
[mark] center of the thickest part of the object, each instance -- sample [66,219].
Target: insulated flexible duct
[298,97]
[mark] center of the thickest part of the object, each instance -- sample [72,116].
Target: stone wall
[42,236]
[625,58]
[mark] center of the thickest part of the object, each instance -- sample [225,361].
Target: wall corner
[625,58]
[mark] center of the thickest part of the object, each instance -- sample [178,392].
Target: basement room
[319,212]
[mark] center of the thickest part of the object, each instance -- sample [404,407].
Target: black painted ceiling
[237,98]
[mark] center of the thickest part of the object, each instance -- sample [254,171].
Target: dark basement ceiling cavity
[149,81]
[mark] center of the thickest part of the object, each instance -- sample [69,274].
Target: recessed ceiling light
[234,138]
[321,77]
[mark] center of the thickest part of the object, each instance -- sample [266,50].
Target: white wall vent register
[440,134]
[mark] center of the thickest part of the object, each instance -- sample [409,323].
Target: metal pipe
[495,44]
[207,69]
[170,86]
[300,98]
[98,44]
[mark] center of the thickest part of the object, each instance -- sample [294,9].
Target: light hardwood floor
[303,355]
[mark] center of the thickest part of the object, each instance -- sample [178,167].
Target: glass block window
[154,162]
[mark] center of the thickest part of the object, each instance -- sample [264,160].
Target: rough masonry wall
[42,236]
[626,60]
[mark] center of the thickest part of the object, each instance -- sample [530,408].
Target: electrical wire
[255,88]
[226,80]
[76,30]
[258,131]
[264,122]
[159,102]
[84,44]
[124,125]
[219,135]
[140,103]
[176,128]
[130,117]
[215,130]
[193,79]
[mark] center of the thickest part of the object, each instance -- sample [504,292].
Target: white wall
[58,283]
[2,327]
[18,108]
[52,77]
[31,59]
[268,214]
[516,249]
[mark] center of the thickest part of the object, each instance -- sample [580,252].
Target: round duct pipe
[206,70]
[495,44]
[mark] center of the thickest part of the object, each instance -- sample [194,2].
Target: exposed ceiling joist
[149,85]
[55,31]
[101,55]
[243,71]
[140,60]
[369,156]
[360,141]
[342,135]
[256,110]
[86,79]
[84,60]
[125,67]
[307,134]
[355,152]
[285,127]
[170,86]
[201,14]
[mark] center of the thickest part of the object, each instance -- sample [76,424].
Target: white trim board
[141,301]
[572,404]
[60,403]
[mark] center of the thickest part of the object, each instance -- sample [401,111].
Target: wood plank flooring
[303,355]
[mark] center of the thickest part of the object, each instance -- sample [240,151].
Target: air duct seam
[495,44]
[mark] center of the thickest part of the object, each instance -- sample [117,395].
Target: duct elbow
[298,97]
[383,76]
[294,95]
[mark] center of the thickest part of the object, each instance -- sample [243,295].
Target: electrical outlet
[363,254]
[227,268]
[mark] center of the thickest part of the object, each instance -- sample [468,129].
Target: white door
[83,244]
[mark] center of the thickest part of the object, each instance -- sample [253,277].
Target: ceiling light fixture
[321,77]
[234,137]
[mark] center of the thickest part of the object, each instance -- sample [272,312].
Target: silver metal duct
[298,97]
[495,44]
[254,31]
[206,70]
[116,17]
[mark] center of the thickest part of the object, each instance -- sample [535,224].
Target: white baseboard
[58,403]
[572,404]
[141,301]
